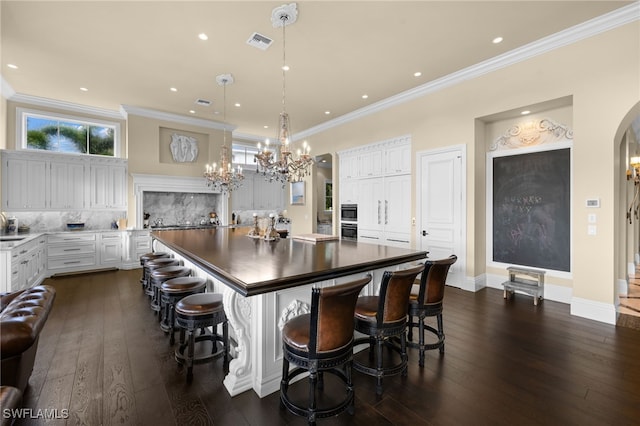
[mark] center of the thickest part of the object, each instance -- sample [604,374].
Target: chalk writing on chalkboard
[531,209]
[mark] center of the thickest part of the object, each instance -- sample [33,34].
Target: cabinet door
[67,183]
[370,163]
[118,187]
[397,204]
[398,159]
[349,166]
[108,186]
[242,198]
[27,190]
[370,204]
[348,191]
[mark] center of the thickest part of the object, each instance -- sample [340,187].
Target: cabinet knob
[424,233]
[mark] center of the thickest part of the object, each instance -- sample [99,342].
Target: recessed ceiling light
[237,105]
[12,66]
[191,111]
[327,112]
[525,112]
[285,67]
[266,127]
[84,89]
[365,96]
[497,40]
[417,74]
[203,36]
[173,89]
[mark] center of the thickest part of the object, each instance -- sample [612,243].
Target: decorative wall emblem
[532,133]
[294,309]
[184,149]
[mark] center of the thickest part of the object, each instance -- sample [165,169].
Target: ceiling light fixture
[417,74]
[224,178]
[203,36]
[84,89]
[12,66]
[285,168]
[497,40]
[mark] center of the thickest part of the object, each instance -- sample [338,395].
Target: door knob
[424,233]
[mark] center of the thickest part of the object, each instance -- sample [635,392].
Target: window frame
[22,114]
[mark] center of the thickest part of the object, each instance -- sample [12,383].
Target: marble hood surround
[187,184]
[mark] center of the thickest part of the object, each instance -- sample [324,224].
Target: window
[59,133]
[243,155]
[328,195]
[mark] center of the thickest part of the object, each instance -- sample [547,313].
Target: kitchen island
[266,283]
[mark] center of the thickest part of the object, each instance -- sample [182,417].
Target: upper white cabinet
[34,180]
[67,185]
[370,163]
[349,167]
[256,193]
[398,159]
[108,184]
[24,183]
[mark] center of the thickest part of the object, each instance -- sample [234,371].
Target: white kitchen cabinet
[69,252]
[384,210]
[23,266]
[108,184]
[256,193]
[242,198]
[370,163]
[24,183]
[349,191]
[67,185]
[349,168]
[398,159]
[111,249]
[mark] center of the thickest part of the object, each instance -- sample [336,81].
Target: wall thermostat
[593,202]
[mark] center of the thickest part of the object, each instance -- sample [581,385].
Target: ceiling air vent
[259,41]
[203,102]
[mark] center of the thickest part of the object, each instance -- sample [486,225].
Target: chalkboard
[531,210]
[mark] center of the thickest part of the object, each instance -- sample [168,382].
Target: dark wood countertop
[253,266]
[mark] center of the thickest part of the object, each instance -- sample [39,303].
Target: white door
[441,204]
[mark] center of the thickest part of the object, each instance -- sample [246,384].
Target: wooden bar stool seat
[171,292]
[153,264]
[159,276]
[199,311]
[144,259]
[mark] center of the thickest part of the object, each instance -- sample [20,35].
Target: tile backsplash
[57,220]
[177,208]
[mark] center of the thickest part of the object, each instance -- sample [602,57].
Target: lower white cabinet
[69,252]
[111,248]
[23,266]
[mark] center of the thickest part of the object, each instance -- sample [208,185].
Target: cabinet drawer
[71,249]
[66,238]
[141,245]
[111,236]
[72,262]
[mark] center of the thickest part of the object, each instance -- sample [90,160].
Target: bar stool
[159,276]
[154,264]
[383,319]
[171,291]
[195,312]
[144,259]
[318,342]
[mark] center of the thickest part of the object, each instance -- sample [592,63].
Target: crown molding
[595,26]
[63,105]
[174,118]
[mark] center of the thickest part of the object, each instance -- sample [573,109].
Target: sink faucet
[158,221]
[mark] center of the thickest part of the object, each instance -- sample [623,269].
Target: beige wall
[600,73]
[149,152]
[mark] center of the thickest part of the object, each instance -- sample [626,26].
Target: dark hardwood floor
[103,357]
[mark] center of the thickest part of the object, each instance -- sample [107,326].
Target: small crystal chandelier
[285,167]
[224,178]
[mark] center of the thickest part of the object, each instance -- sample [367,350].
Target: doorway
[441,208]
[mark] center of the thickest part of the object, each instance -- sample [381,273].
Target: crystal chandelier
[224,179]
[284,167]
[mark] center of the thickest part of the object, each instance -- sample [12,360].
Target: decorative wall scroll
[184,149]
[532,133]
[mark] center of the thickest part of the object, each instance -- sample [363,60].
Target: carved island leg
[238,310]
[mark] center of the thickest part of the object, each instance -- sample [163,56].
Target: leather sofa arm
[23,318]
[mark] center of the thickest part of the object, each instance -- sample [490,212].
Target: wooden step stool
[534,287]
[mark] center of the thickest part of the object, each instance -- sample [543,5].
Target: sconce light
[634,174]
